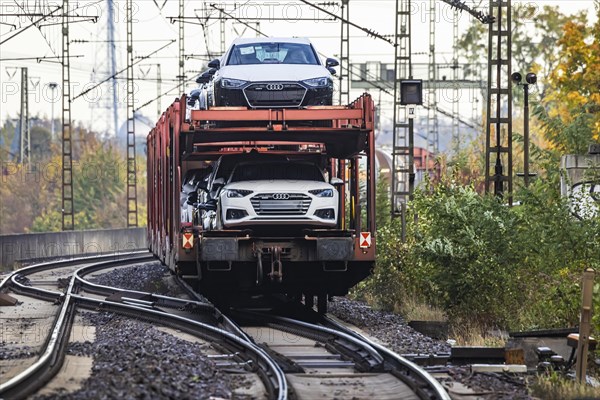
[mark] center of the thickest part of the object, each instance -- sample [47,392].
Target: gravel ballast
[394,332]
[152,278]
[134,360]
[388,327]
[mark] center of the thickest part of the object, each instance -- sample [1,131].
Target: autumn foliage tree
[570,109]
[31,198]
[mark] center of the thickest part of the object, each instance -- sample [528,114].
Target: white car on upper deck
[270,73]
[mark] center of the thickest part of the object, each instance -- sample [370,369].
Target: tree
[99,183]
[570,111]
[534,36]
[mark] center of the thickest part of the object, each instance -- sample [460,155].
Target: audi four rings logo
[274,86]
[281,196]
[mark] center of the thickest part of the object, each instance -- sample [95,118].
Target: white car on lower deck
[278,193]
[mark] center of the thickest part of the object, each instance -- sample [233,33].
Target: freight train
[245,202]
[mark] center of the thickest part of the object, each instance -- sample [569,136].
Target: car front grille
[275,94]
[268,204]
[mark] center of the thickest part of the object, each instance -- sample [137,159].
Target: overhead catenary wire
[368,31]
[122,70]
[32,24]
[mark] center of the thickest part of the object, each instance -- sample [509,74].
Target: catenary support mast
[498,144]
[132,216]
[402,144]
[68,212]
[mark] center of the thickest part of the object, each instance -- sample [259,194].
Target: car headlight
[318,82]
[322,192]
[232,83]
[237,192]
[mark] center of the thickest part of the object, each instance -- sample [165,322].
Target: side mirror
[216,64]
[218,183]
[331,70]
[203,185]
[331,62]
[195,94]
[192,198]
[206,76]
[210,205]
[335,181]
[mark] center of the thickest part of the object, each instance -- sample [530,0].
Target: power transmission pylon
[345,53]
[25,148]
[68,212]
[403,141]
[105,112]
[132,217]
[499,102]
[112,59]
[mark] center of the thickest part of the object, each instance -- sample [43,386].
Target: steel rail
[335,332]
[166,301]
[411,368]
[420,381]
[52,295]
[37,374]
[226,321]
[95,288]
[231,327]
[31,269]
[273,376]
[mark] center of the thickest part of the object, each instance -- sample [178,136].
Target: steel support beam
[403,175]
[132,216]
[25,148]
[222,21]
[181,76]
[433,140]
[498,144]
[455,92]
[68,212]
[345,54]
[158,91]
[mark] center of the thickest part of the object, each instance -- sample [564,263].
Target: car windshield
[272,53]
[277,170]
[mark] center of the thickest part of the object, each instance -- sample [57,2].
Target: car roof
[271,40]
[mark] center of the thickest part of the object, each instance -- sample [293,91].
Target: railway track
[184,315]
[324,359]
[299,357]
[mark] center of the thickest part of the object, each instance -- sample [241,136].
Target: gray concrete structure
[581,181]
[578,168]
[60,245]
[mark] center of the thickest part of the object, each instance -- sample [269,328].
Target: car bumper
[255,95]
[297,212]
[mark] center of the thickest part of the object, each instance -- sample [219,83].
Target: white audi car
[277,192]
[271,73]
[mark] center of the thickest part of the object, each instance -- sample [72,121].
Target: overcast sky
[152,29]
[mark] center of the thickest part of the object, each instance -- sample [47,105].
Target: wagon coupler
[276,269]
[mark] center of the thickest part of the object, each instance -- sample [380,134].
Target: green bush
[482,261]
[465,243]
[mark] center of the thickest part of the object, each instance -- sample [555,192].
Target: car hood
[273,72]
[277,186]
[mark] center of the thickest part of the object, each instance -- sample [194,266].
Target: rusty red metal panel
[364,254]
[269,115]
